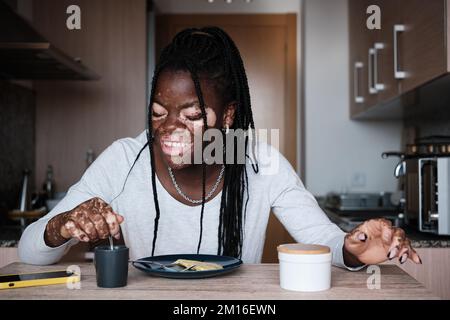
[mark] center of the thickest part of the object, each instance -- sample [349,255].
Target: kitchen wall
[341,155]
[17,125]
[74,116]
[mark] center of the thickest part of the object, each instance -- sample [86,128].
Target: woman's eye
[157,115]
[158,111]
[194,117]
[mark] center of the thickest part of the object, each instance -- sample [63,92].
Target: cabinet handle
[358,65]
[378,86]
[397,73]
[371,60]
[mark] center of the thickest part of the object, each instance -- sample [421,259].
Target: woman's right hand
[90,221]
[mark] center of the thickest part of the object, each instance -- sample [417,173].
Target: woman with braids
[151,192]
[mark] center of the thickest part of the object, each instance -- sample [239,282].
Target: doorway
[268,44]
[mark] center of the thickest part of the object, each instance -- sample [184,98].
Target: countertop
[418,239]
[9,243]
[250,281]
[9,236]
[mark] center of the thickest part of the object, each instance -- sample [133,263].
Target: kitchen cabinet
[388,85]
[422,45]
[433,273]
[26,55]
[358,58]
[407,52]
[8,255]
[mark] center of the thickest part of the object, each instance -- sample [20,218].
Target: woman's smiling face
[177,119]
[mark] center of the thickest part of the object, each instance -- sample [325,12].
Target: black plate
[229,264]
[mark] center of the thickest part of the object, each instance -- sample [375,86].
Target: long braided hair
[210,52]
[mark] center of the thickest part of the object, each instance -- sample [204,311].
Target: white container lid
[304,253]
[301,248]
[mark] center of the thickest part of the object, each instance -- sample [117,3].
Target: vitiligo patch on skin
[52,232]
[184,130]
[183,116]
[92,220]
[177,105]
[375,240]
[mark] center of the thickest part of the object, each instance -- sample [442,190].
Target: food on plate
[198,265]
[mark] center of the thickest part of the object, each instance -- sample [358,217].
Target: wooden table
[250,281]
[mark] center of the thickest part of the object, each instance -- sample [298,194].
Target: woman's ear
[228,115]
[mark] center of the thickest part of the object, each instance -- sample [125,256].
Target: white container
[304,267]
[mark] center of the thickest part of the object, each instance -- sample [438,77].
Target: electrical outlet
[358,179]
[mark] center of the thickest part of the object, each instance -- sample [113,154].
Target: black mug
[111,266]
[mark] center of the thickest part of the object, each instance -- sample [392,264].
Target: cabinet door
[422,45]
[358,40]
[388,85]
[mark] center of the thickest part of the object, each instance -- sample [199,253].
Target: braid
[155,197]
[152,154]
[211,52]
[198,90]
[241,81]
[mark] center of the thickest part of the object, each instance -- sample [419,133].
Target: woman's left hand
[376,241]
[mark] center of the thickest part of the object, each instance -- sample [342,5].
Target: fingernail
[392,253]
[362,237]
[389,255]
[403,258]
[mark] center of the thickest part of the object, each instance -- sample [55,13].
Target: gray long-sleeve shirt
[276,187]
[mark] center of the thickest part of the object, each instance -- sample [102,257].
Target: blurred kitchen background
[341,94]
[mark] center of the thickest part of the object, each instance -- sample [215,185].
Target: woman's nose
[171,122]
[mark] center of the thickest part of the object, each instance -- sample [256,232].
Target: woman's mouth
[175,148]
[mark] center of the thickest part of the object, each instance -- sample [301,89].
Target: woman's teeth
[176,144]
